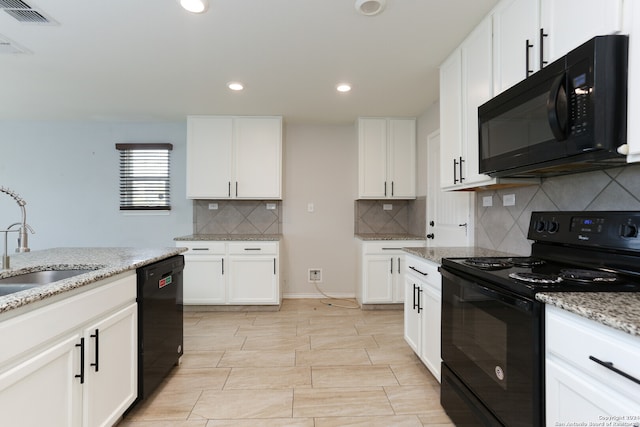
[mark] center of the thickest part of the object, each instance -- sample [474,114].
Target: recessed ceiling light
[195,6]
[370,7]
[235,86]
[343,87]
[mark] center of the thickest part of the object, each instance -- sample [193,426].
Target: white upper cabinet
[516,32]
[234,157]
[529,34]
[592,18]
[465,84]
[387,158]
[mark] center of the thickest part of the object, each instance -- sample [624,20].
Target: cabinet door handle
[418,271]
[419,300]
[391,270]
[385,189]
[223,266]
[398,265]
[542,36]
[81,374]
[274,266]
[455,171]
[527,46]
[96,363]
[392,189]
[609,365]
[415,288]
[236,188]
[460,166]
[229,188]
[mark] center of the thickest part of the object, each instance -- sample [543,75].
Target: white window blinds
[144,176]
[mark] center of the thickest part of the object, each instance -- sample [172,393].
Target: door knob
[430,236]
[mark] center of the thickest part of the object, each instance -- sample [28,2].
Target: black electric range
[493,327]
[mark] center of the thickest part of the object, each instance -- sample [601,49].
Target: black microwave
[570,116]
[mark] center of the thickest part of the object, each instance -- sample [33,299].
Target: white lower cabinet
[579,389]
[72,362]
[422,308]
[380,272]
[231,273]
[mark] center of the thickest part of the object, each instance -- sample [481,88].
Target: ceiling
[149,60]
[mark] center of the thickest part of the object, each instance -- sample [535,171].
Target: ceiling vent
[8,46]
[22,12]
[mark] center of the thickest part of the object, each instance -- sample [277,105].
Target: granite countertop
[372,236]
[231,237]
[104,262]
[620,310]
[437,253]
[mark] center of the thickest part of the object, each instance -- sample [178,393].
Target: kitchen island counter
[230,237]
[104,263]
[436,254]
[619,310]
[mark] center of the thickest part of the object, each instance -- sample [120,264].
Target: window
[144,177]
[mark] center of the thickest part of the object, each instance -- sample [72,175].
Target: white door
[402,158]
[372,161]
[253,280]
[451,119]
[204,280]
[43,390]
[111,367]
[258,158]
[450,212]
[378,279]
[412,319]
[597,17]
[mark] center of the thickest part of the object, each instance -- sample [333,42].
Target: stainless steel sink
[18,283]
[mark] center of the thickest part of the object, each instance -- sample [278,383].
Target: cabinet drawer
[575,339]
[253,248]
[203,247]
[423,270]
[392,247]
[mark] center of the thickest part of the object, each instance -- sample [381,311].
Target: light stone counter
[436,254]
[231,237]
[620,310]
[371,236]
[104,262]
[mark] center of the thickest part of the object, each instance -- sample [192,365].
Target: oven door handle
[518,303]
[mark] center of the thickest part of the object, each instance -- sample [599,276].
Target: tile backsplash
[404,217]
[505,228]
[237,217]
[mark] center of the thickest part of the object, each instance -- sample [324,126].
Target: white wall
[67,172]
[321,167]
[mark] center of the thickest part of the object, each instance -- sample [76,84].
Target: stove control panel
[616,229]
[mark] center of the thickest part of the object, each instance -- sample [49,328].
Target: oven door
[492,342]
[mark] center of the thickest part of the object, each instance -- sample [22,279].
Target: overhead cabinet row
[512,42]
[231,157]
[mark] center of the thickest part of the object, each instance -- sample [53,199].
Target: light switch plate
[213,206]
[271,206]
[387,207]
[509,200]
[487,201]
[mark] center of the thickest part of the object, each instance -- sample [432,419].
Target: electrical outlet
[509,200]
[271,206]
[315,275]
[487,201]
[213,206]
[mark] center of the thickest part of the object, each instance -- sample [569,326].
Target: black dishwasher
[159,322]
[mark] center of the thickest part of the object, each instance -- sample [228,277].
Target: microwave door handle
[557,109]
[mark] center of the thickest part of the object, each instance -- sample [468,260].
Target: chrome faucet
[23,245]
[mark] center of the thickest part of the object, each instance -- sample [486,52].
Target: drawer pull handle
[391,249]
[609,365]
[418,271]
[252,249]
[200,249]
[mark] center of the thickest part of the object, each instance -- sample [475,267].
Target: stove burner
[488,263]
[526,262]
[588,276]
[536,277]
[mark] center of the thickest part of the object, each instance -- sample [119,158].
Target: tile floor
[307,365]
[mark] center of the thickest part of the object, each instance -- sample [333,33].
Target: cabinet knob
[430,236]
[431,223]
